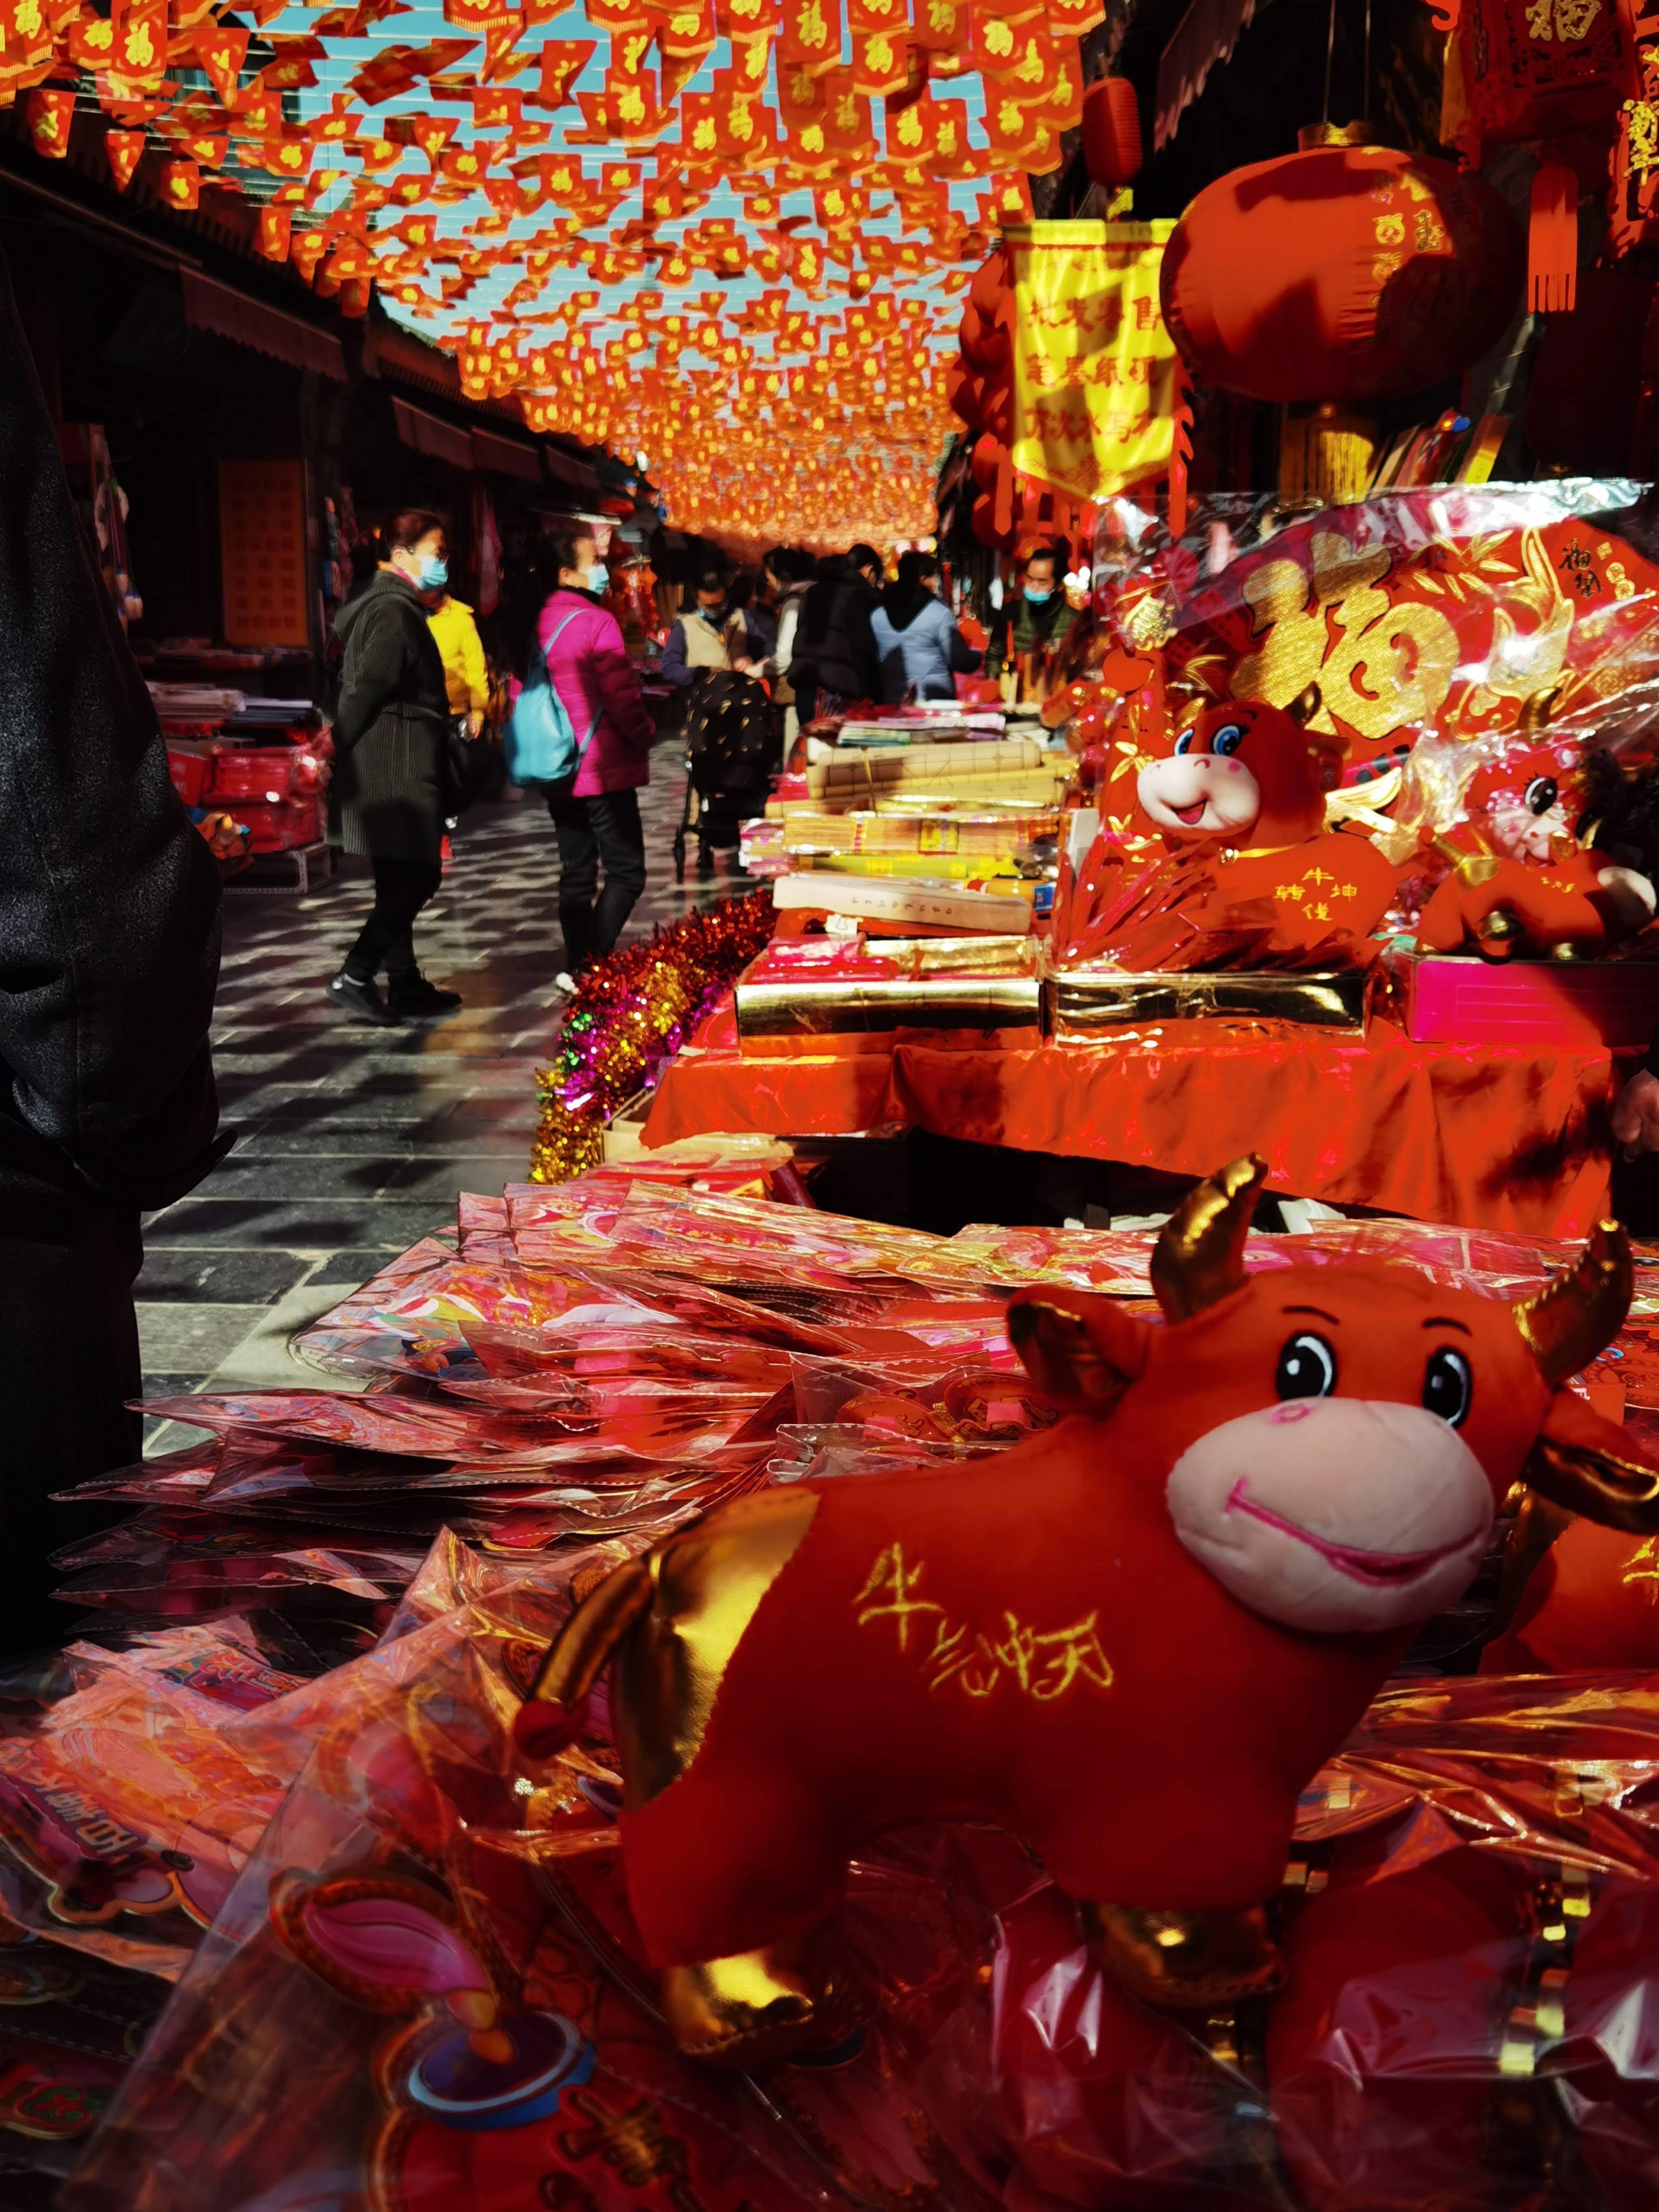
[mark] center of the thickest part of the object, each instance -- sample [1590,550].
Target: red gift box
[1574,1005]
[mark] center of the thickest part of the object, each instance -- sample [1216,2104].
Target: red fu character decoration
[1132,1640]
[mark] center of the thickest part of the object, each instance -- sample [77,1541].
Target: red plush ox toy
[1528,884]
[1131,1640]
[1248,785]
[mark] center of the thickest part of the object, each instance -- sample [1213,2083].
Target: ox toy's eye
[1228,738]
[1307,1368]
[1540,794]
[1183,743]
[1448,1386]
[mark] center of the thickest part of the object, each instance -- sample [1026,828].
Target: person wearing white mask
[1039,614]
[710,634]
[596,811]
[387,798]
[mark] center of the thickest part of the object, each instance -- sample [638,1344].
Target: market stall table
[1486,1135]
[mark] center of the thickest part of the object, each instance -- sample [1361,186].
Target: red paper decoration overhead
[1343,273]
[1111,132]
[723,349]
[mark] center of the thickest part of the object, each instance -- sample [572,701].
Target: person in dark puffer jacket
[834,662]
[109,953]
[387,800]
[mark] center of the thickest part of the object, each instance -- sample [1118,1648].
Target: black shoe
[412,998]
[362,1000]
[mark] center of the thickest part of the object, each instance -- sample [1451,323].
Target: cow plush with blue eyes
[1244,790]
[1133,1640]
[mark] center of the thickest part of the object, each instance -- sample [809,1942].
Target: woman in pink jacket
[596,813]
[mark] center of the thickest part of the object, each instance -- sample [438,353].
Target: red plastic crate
[259,773]
[279,828]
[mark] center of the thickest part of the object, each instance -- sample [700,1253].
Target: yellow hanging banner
[1094,366]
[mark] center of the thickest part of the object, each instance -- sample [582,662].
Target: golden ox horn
[1578,1314]
[1199,1259]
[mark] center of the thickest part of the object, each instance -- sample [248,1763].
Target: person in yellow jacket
[461,650]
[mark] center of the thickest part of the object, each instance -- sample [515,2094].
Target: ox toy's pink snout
[1198,791]
[1335,1514]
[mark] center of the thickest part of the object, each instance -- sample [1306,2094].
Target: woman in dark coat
[387,800]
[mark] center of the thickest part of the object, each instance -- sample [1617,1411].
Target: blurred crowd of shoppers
[753,656]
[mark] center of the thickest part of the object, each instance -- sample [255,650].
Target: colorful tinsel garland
[631,1012]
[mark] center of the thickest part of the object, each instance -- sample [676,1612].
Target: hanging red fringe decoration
[1182,449]
[1552,240]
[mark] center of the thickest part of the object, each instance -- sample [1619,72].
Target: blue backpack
[540,744]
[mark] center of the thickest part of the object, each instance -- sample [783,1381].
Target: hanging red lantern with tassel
[1340,272]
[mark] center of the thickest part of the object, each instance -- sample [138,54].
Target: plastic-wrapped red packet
[431,1952]
[127,1809]
[177,1477]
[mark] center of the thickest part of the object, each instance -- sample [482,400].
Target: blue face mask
[435,574]
[1038,594]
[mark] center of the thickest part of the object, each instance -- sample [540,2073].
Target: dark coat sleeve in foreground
[109,899]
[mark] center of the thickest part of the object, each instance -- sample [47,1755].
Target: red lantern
[987,319]
[990,283]
[1111,132]
[964,392]
[986,459]
[1344,272]
[986,346]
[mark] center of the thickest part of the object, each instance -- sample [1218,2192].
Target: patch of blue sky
[421,25]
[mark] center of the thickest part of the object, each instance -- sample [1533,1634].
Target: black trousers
[605,829]
[66,1278]
[402,887]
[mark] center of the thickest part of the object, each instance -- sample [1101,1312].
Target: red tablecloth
[1487,1136]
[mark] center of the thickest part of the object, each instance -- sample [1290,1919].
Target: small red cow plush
[1132,1640]
[1522,882]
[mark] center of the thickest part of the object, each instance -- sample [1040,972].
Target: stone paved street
[352,1141]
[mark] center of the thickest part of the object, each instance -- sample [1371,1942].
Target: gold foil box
[1085,1002]
[973,983]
